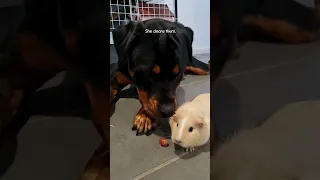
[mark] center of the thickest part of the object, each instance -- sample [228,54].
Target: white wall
[196,15]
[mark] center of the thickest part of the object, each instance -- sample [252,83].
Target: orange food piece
[163,142]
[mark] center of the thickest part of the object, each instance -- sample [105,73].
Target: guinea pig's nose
[177,141]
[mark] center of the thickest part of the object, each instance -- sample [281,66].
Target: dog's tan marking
[39,55]
[122,79]
[196,71]
[176,69]
[156,69]
[143,97]
[280,29]
[150,104]
[118,82]
[113,92]
[153,104]
[131,73]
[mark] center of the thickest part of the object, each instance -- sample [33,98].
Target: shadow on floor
[9,140]
[67,99]
[225,110]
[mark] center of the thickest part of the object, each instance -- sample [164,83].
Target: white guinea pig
[190,125]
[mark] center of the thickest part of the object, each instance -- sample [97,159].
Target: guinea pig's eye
[177,124]
[190,129]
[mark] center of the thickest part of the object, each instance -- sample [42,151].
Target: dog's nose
[166,110]
[177,141]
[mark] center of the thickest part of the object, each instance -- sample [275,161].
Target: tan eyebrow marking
[176,69]
[156,69]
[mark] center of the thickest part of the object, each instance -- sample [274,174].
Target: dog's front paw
[143,124]
[98,167]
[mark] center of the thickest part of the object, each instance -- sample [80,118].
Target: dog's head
[155,61]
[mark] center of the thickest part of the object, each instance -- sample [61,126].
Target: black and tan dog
[281,20]
[285,20]
[155,63]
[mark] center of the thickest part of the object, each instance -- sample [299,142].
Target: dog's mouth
[167,109]
[156,108]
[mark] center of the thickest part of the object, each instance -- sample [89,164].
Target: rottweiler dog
[53,36]
[240,20]
[153,55]
[283,20]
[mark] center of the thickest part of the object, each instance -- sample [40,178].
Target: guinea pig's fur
[190,125]
[285,147]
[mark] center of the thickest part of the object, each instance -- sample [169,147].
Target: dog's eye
[177,124]
[190,129]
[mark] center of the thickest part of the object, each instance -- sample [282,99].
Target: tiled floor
[265,78]
[140,155]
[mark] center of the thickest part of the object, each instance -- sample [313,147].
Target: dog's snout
[166,110]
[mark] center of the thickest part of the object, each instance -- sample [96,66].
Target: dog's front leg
[98,167]
[10,100]
[119,81]
[143,122]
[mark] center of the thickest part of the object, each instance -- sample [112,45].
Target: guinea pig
[190,125]
[285,147]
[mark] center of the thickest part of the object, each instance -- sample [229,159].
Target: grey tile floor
[140,155]
[265,78]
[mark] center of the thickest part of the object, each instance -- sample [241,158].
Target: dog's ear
[124,37]
[181,42]
[189,34]
[184,32]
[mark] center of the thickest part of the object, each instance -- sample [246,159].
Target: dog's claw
[154,126]
[137,134]
[134,127]
[143,124]
[115,99]
[149,133]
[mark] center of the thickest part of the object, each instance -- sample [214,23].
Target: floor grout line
[260,69]
[160,166]
[194,82]
[170,161]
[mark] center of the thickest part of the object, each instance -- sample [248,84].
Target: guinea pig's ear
[200,124]
[200,121]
